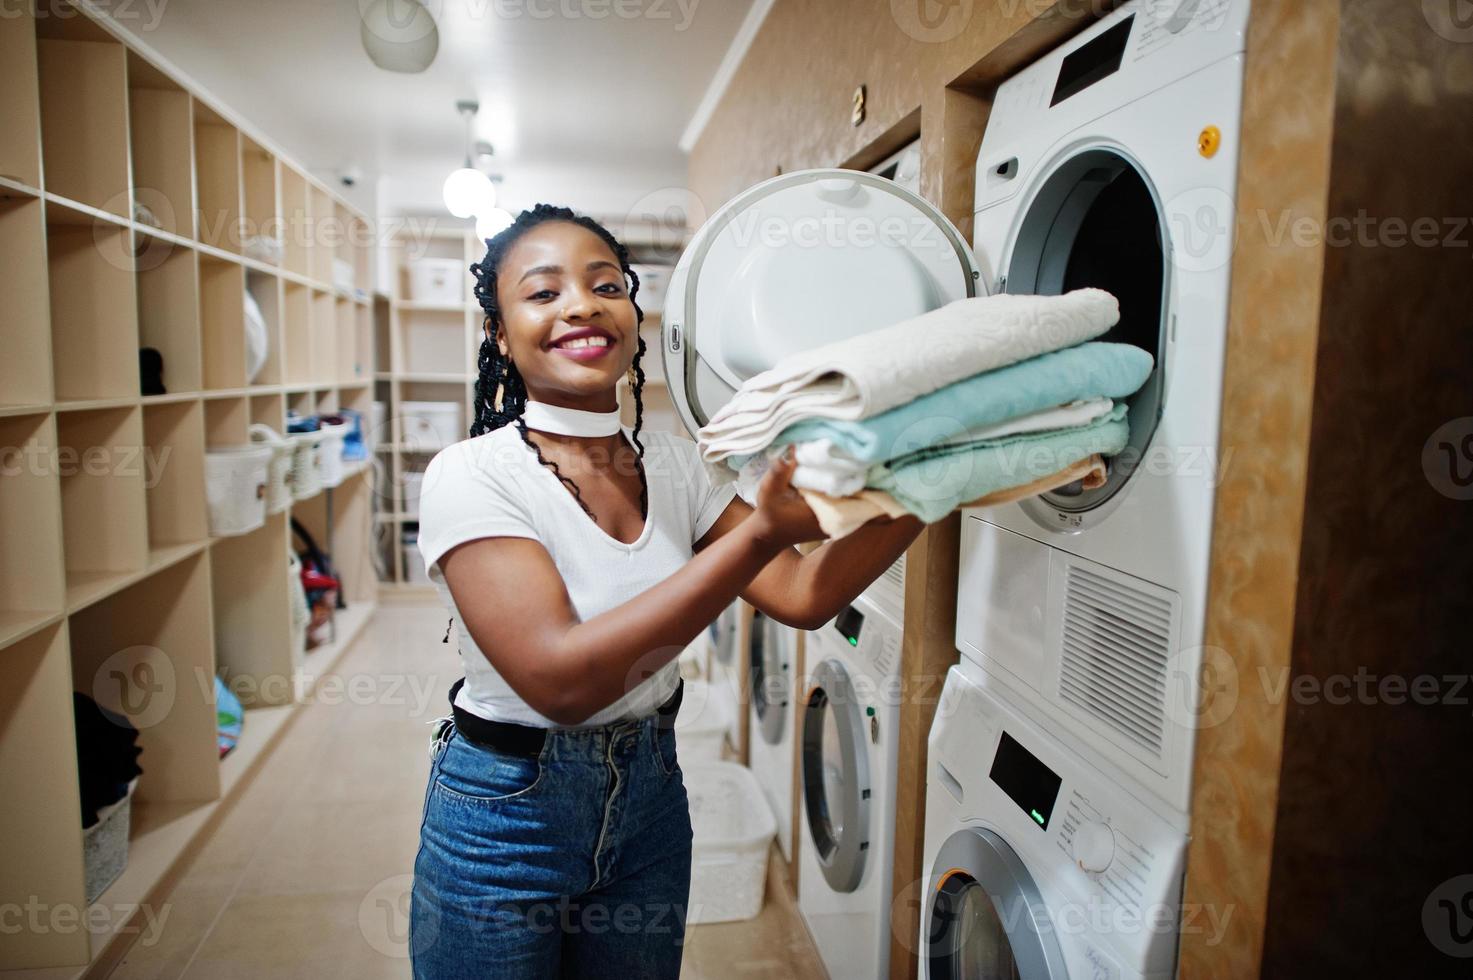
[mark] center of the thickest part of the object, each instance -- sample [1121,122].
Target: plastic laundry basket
[278,475]
[330,458]
[701,725]
[236,478]
[734,828]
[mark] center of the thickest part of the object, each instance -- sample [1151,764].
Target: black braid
[496,370]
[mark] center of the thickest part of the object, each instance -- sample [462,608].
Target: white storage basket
[427,426]
[105,844]
[330,463]
[734,828]
[306,472]
[413,482]
[701,724]
[235,488]
[278,474]
[437,280]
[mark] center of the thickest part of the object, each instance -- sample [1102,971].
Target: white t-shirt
[493,486]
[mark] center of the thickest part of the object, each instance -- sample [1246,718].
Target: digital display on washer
[1028,782]
[848,623]
[1096,61]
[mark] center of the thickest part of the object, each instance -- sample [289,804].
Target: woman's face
[567,321]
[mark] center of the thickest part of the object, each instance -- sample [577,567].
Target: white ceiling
[584,100]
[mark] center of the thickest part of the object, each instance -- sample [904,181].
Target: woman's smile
[584,343]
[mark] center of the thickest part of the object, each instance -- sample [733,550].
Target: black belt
[508,736]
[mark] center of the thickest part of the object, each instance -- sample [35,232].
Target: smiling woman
[578,559]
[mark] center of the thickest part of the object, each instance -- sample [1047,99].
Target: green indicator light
[1037,816]
[854,641]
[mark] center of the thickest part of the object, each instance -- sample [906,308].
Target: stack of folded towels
[982,402]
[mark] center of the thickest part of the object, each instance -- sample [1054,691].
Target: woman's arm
[516,607]
[806,591]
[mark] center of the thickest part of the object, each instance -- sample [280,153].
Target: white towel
[876,371]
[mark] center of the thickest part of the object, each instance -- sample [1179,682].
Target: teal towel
[1093,370]
[932,483]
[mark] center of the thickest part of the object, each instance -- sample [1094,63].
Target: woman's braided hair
[497,371]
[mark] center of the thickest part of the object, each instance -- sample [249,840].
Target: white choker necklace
[569,421]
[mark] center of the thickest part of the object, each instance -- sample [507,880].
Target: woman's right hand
[784,517]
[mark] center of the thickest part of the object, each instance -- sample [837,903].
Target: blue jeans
[575,863]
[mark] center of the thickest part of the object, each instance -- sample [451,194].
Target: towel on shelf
[827,468]
[842,516]
[865,375]
[933,482]
[1091,370]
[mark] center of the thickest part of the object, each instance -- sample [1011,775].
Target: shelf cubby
[217,179]
[326,401]
[227,422]
[324,234]
[324,338]
[38,762]
[269,410]
[168,311]
[174,474]
[433,342]
[222,322]
[296,223]
[25,370]
[266,290]
[258,183]
[297,330]
[84,114]
[353,357]
[20,114]
[162,140]
[253,642]
[31,576]
[94,310]
[302,402]
[147,652]
[104,514]
[351,556]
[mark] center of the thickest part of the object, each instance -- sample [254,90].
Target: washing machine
[848,771]
[1112,162]
[773,665]
[727,637]
[1040,862]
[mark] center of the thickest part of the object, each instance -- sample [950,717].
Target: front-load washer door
[1095,219]
[796,262]
[986,917]
[770,671]
[836,776]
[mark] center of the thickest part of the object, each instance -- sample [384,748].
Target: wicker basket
[278,482]
[105,845]
[236,478]
[330,458]
[306,476]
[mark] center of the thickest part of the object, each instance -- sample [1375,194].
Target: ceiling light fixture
[399,35]
[468,192]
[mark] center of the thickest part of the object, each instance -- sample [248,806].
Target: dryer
[1040,863]
[848,767]
[1113,162]
[773,662]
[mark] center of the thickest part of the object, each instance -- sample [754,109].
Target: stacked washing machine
[1061,756]
[727,636]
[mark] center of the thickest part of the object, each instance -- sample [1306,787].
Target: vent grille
[1116,643]
[888,591]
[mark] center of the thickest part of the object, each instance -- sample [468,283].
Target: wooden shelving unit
[427,350]
[126,205]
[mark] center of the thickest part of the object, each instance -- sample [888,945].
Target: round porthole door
[796,262]
[836,776]
[770,670]
[1095,220]
[985,917]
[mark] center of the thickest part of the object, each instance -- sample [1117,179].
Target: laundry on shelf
[993,436]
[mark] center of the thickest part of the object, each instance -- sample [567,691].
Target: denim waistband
[509,736]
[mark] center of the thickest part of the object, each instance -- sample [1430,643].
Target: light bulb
[399,35]
[469,192]
[492,222]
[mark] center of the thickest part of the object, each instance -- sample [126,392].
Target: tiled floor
[308,874]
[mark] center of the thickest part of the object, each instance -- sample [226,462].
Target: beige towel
[842,516]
